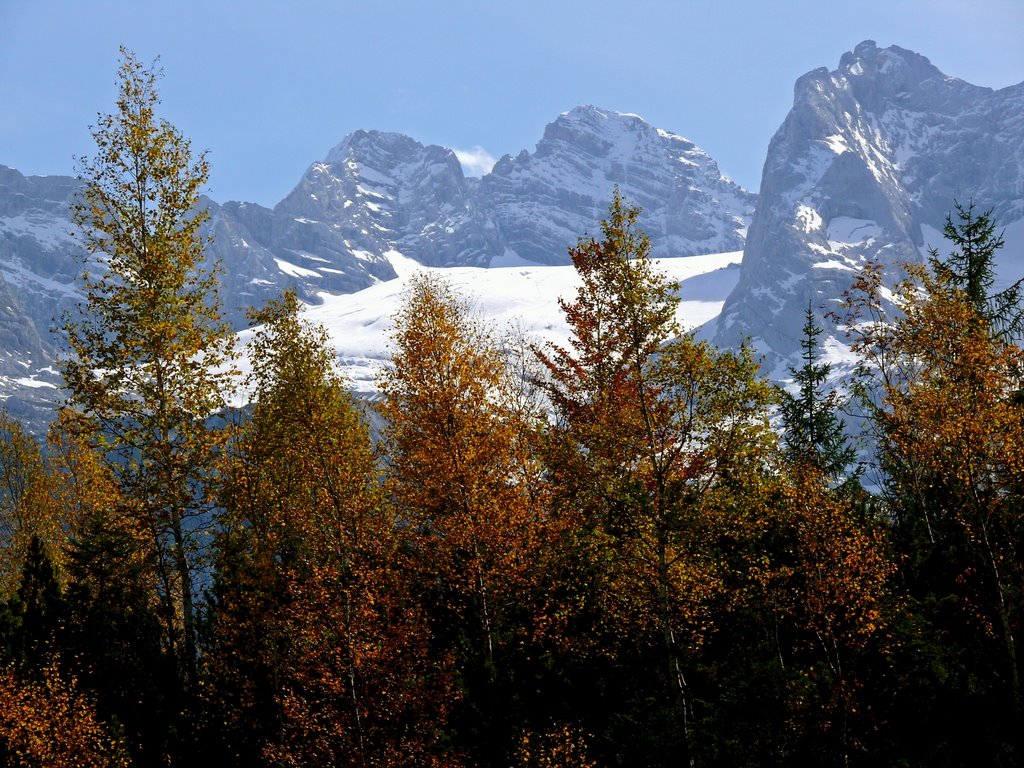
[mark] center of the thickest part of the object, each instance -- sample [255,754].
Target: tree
[813,433]
[316,653]
[658,438]
[970,267]
[51,723]
[28,509]
[951,449]
[149,352]
[463,475]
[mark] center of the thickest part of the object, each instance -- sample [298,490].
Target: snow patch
[808,219]
[294,270]
[521,295]
[847,230]
[837,144]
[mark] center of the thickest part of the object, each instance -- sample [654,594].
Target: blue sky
[267,87]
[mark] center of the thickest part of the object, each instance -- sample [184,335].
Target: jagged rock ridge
[866,166]
[375,194]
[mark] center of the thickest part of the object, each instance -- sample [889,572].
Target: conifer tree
[813,433]
[970,267]
[149,351]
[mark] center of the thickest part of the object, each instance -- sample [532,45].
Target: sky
[267,87]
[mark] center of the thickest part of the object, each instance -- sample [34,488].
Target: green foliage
[812,431]
[970,267]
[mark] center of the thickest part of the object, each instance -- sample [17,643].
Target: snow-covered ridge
[524,298]
[375,194]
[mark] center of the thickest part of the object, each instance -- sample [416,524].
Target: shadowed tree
[460,466]
[316,653]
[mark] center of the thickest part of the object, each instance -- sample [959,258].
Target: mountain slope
[377,199]
[865,167]
[541,202]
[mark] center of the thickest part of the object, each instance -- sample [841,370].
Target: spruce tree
[970,267]
[813,433]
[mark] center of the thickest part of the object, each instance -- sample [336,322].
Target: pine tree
[813,433]
[149,352]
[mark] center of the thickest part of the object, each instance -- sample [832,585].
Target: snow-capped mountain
[542,201]
[866,166]
[377,193]
[374,200]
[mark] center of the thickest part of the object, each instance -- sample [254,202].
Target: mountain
[866,166]
[541,202]
[377,199]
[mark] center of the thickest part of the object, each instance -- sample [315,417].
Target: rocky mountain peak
[541,202]
[869,159]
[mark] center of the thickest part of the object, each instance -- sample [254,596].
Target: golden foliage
[461,465]
[29,506]
[49,724]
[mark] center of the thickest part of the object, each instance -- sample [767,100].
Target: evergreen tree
[113,639]
[813,433]
[149,350]
[970,267]
[42,605]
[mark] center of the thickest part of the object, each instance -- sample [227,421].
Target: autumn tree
[149,351]
[28,511]
[316,653]
[50,722]
[113,636]
[659,435]
[462,473]
[950,445]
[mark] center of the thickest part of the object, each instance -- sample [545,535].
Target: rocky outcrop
[544,201]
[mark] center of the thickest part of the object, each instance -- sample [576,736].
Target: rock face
[866,166]
[542,202]
[373,195]
[37,275]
